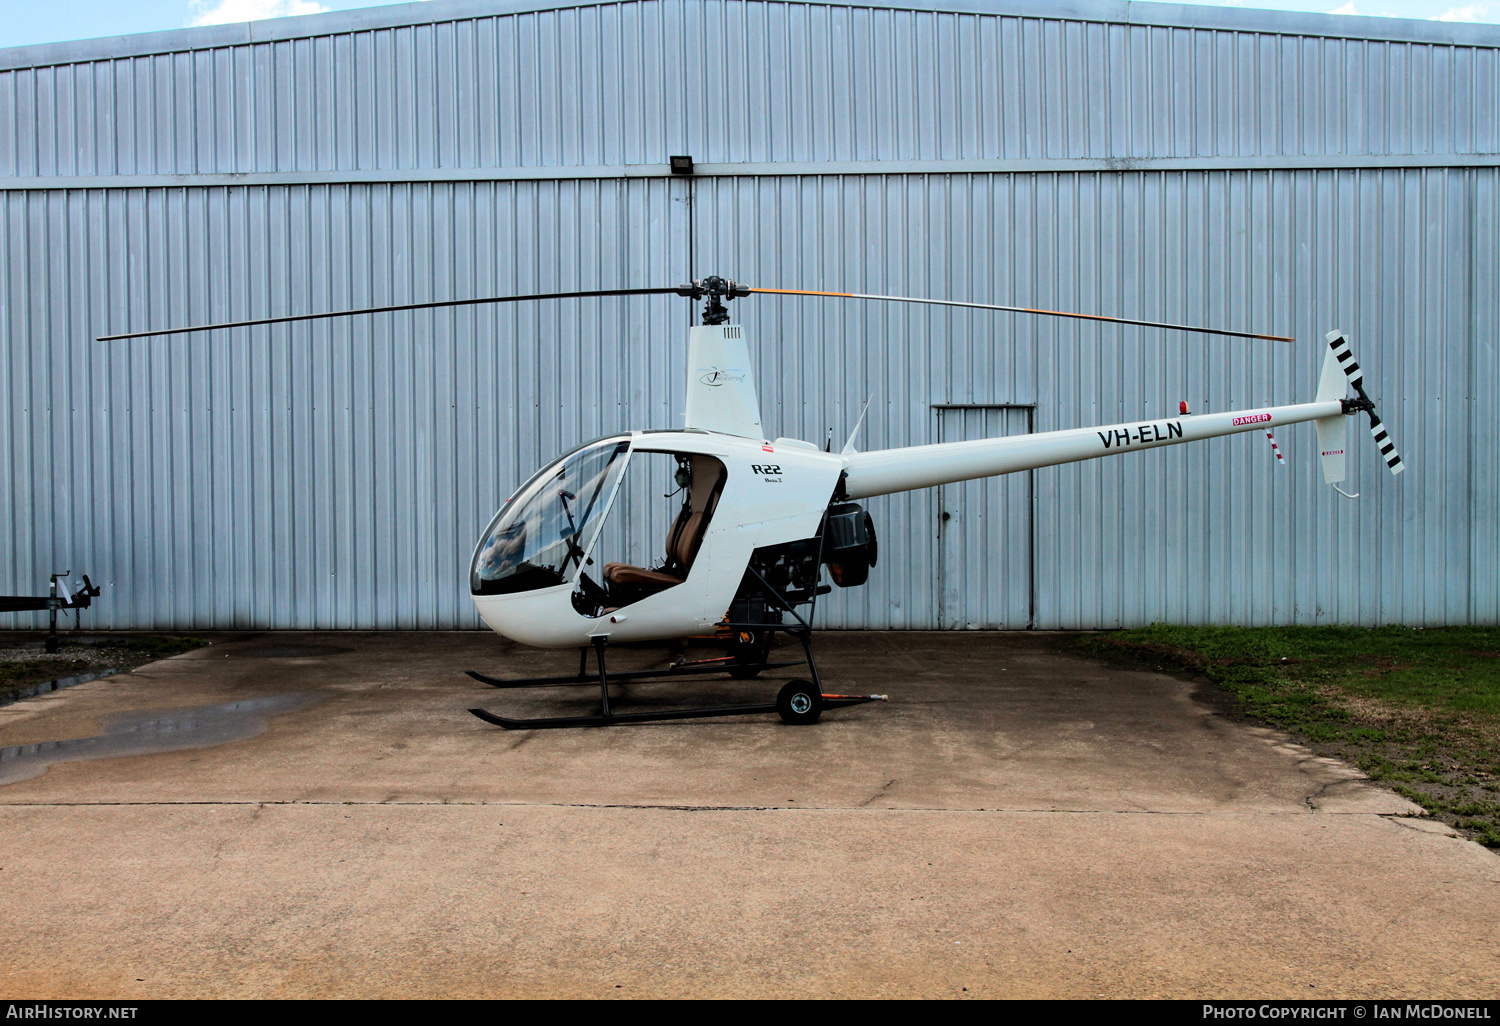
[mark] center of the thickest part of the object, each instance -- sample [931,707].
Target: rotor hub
[718,291]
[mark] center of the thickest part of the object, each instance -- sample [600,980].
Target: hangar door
[984,530]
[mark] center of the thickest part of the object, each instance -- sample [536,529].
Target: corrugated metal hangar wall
[1244,169]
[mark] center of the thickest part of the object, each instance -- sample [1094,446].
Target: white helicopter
[758,520]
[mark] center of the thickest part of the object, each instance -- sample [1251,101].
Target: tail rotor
[1339,344]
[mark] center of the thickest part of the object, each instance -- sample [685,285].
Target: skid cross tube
[599,644]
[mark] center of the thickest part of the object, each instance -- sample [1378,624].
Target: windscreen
[541,535]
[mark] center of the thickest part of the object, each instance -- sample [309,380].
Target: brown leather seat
[686,535]
[624,573]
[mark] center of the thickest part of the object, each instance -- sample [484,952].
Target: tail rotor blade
[1385,445]
[1345,355]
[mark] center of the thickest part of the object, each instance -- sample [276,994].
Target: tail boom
[923,466]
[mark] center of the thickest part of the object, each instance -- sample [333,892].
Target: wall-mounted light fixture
[681,165]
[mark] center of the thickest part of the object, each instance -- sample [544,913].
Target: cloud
[226,12]
[1346,9]
[1480,10]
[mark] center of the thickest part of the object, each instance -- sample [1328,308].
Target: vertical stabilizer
[1333,439]
[1331,383]
[1333,432]
[720,386]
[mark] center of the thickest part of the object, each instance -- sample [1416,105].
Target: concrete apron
[1016,821]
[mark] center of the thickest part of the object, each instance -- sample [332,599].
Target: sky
[48,21]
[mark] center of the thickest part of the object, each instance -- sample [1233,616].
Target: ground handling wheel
[800,702]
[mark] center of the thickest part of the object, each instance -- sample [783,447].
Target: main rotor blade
[596,293]
[1029,310]
[387,309]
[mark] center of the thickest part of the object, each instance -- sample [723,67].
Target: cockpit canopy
[544,531]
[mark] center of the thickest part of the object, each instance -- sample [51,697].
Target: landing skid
[829,702]
[629,675]
[800,701]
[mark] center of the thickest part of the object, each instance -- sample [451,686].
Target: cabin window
[541,536]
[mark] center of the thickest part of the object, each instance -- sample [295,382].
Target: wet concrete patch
[32,690]
[150,733]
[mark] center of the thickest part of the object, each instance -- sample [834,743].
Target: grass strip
[1416,709]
